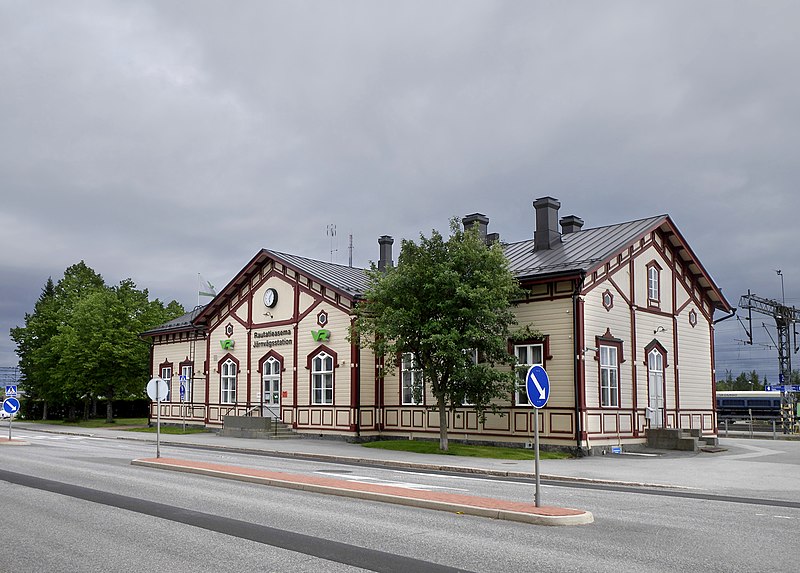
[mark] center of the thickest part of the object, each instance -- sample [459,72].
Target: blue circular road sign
[11,406]
[538,386]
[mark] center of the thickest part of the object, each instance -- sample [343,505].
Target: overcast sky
[157,140]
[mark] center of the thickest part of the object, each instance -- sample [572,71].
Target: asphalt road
[76,504]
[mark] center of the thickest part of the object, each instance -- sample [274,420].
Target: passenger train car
[735,406]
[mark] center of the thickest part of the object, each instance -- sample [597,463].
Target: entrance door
[655,377]
[271,387]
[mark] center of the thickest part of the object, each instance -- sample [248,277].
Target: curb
[579,517]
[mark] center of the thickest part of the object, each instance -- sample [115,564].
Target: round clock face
[270,297]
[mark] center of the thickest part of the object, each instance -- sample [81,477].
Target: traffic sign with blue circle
[11,406]
[538,386]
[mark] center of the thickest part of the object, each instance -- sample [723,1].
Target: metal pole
[774,434]
[537,496]
[158,423]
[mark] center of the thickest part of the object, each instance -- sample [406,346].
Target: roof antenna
[331,232]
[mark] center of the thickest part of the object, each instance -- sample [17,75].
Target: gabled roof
[579,251]
[349,280]
[182,323]
[587,250]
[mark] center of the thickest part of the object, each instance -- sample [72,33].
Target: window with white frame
[228,372]
[413,386]
[166,376]
[609,376]
[186,377]
[322,379]
[472,353]
[655,367]
[653,286]
[527,355]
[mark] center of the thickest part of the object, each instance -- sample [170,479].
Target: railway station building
[626,313]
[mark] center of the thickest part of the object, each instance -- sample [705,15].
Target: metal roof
[183,322]
[349,280]
[578,251]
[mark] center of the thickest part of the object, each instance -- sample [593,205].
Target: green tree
[36,357]
[79,282]
[101,347]
[445,303]
[82,340]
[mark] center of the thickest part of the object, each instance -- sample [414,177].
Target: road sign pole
[536,453]
[158,423]
[537,384]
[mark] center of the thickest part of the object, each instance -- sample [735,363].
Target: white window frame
[229,372]
[166,376]
[188,372]
[655,368]
[473,354]
[411,379]
[609,376]
[525,354]
[322,366]
[653,284]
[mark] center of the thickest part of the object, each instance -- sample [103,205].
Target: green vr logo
[226,344]
[321,335]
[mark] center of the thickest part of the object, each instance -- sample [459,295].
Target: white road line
[379,481]
[756,452]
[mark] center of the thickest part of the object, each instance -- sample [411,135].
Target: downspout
[578,344]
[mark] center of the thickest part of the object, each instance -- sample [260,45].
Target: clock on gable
[270,298]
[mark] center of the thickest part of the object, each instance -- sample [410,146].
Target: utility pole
[785,320]
[350,249]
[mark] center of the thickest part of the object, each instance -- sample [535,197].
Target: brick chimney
[546,235]
[385,260]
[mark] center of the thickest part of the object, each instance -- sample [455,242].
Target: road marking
[756,452]
[404,485]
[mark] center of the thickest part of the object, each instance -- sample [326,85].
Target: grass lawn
[454,449]
[94,423]
[170,430]
[127,424]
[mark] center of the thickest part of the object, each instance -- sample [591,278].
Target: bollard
[774,434]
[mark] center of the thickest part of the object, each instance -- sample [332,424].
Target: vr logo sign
[321,335]
[226,344]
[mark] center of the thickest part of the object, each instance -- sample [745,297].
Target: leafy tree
[445,302]
[79,281]
[36,357]
[82,340]
[101,346]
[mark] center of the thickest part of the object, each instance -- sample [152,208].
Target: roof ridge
[282,254]
[653,218]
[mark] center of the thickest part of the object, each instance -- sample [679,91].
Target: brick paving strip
[456,503]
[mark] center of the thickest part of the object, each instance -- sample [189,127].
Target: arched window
[228,371]
[322,378]
[656,362]
[653,284]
